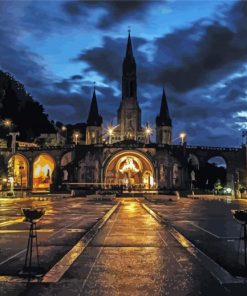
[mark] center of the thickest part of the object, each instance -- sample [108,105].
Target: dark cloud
[115,11]
[219,50]
[186,58]
[197,64]
[192,62]
[76,77]
[107,59]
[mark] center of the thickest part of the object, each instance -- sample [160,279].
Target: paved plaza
[64,223]
[131,254]
[210,226]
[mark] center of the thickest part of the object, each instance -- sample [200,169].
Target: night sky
[196,49]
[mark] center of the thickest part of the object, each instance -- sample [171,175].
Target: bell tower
[129,113]
[164,123]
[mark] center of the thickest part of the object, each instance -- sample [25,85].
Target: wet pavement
[133,254]
[64,223]
[210,226]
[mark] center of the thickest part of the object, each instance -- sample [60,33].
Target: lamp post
[65,130]
[110,133]
[13,142]
[76,135]
[148,132]
[21,168]
[182,136]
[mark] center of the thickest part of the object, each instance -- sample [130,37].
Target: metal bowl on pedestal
[240,216]
[32,215]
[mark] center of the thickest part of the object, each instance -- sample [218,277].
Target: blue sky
[196,49]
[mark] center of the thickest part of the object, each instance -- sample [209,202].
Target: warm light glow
[43,168]
[64,128]
[110,131]
[76,136]
[182,135]
[129,166]
[18,170]
[7,122]
[148,130]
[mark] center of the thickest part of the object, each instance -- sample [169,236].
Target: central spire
[129,72]
[129,51]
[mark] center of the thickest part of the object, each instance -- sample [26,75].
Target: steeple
[164,119]
[94,119]
[129,73]
[129,51]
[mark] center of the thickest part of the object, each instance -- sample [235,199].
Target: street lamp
[13,142]
[7,123]
[21,168]
[76,136]
[64,129]
[183,136]
[148,132]
[110,131]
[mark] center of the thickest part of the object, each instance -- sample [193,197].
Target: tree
[27,115]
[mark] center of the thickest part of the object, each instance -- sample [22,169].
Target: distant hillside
[27,116]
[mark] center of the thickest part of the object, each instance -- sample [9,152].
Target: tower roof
[129,51]
[94,119]
[164,119]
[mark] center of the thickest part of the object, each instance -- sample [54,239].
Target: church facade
[124,155]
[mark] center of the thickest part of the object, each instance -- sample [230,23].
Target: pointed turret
[164,119]
[94,119]
[94,123]
[164,123]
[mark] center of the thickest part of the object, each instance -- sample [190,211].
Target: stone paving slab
[122,268]
[65,222]
[163,268]
[209,226]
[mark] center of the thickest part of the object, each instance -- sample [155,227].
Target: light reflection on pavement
[210,226]
[132,255]
[64,223]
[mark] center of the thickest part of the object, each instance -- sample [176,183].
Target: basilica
[123,155]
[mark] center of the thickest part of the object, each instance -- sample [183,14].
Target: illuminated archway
[43,168]
[129,168]
[18,170]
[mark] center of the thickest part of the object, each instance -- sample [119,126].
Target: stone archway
[43,168]
[130,168]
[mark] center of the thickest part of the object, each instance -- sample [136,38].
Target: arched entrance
[216,172]
[18,170]
[212,174]
[130,168]
[43,168]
